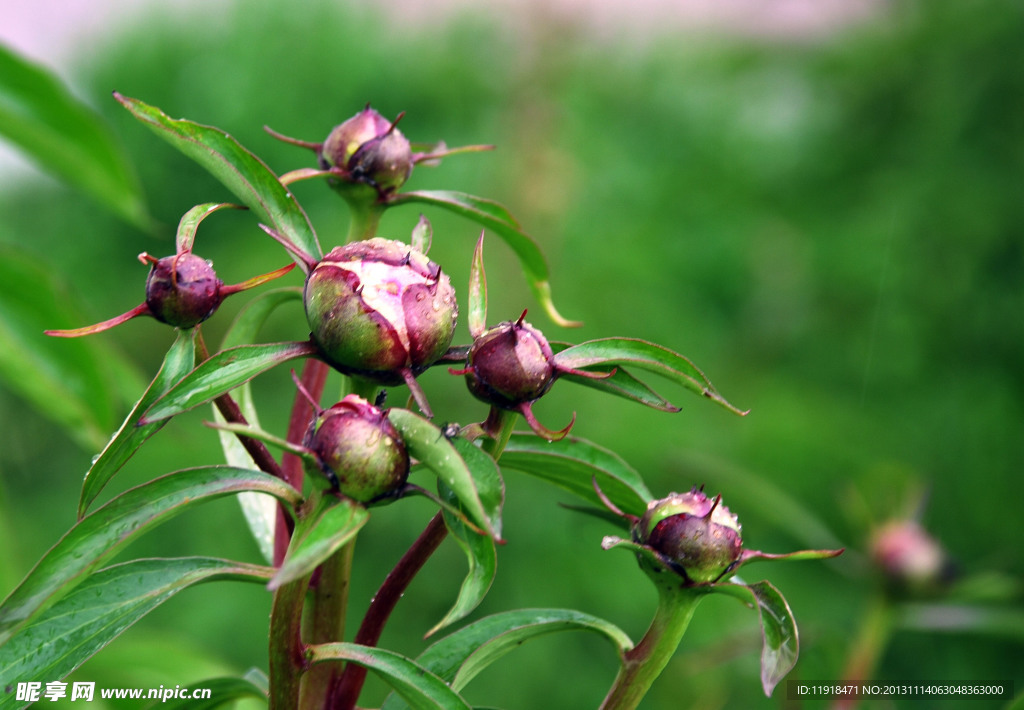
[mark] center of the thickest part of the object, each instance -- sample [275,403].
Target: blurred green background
[831,228]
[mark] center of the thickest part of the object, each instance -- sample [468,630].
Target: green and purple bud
[358,450]
[692,534]
[370,149]
[380,310]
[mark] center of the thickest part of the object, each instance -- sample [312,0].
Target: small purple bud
[693,534]
[182,290]
[509,365]
[380,309]
[359,450]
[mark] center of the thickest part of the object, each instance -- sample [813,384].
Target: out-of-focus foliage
[831,228]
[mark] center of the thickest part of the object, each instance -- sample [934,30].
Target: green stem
[501,422]
[645,662]
[366,214]
[875,631]
[327,623]
[287,653]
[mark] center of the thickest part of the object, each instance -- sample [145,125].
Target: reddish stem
[345,692]
[314,377]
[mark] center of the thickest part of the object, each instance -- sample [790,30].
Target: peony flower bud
[380,309]
[510,364]
[370,149]
[692,534]
[182,290]
[909,557]
[359,450]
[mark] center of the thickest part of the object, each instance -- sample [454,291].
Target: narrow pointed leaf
[333,525]
[478,291]
[67,138]
[493,216]
[778,629]
[427,444]
[103,532]
[223,372]
[642,355]
[621,383]
[248,177]
[419,688]
[260,510]
[459,657]
[72,382]
[126,441]
[480,550]
[422,235]
[101,608]
[573,463]
[189,223]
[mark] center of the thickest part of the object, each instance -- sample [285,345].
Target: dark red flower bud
[693,534]
[510,364]
[380,309]
[182,290]
[359,450]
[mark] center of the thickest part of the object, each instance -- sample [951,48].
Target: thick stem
[645,662]
[875,631]
[327,624]
[366,214]
[287,653]
[346,691]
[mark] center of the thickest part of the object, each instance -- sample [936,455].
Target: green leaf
[260,510]
[573,463]
[189,223]
[126,441]
[480,549]
[69,381]
[427,444]
[478,292]
[642,355]
[101,608]
[493,216]
[778,629]
[100,534]
[421,689]
[248,177]
[621,383]
[335,522]
[459,657]
[223,372]
[67,138]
